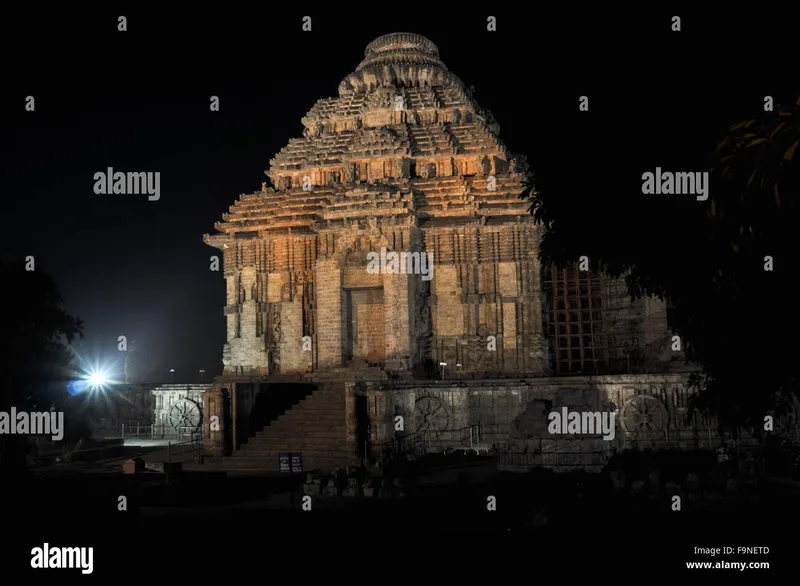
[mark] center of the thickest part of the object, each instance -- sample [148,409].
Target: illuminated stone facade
[404,160]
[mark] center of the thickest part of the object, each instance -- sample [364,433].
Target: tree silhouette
[710,260]
[35,358]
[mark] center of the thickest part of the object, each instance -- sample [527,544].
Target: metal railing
[180,448]
[159,432]
[468,438]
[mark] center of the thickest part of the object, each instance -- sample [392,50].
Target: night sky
[139,101]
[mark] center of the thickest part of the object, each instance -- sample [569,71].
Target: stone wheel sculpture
[432,416]
[185,414]
[643,416]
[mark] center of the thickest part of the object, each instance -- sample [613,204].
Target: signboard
[290,462]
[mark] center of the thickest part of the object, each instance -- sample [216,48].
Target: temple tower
[403,160]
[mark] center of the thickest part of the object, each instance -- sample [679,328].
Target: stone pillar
[232,314]
[351,417]
[293,357]
[398,324]
[328,278]
[213,420]
[234,417]
[539,345]
[248,349]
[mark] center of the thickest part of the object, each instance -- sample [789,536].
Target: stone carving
[349,173]
[643,415]
[382,98]
[531,423]
[422,326]
[371,174]
[276,326]
[388,78]
[397,168]
[352,246]
[300,278]
[378,137]
[283,183]
[432,416]
[480,357]
[428,170]
[480,168]
[274,338]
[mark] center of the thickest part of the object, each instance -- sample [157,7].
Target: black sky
[139,101]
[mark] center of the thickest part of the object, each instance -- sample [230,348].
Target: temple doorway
[365,334]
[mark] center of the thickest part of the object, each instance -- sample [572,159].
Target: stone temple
[326,347]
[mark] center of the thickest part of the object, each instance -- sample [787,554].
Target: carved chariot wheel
[432,416]
[185,413]
[643,415]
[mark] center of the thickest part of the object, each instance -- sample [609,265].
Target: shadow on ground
[456,499]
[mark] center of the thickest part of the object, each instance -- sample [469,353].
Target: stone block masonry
[431,177]
[410,181]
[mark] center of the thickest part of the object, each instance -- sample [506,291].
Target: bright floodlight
[97,379]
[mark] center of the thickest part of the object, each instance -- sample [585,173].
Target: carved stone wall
[143,405]
[513,412]
[403,160]
[485,299]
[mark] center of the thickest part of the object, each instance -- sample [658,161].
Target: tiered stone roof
[404,142]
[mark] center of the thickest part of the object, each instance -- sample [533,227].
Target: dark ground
[88,496]
[235,515]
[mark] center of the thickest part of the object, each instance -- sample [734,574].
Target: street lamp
[202,372]
[172,372]
[442,364]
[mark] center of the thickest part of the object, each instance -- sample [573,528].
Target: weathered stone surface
[404,160]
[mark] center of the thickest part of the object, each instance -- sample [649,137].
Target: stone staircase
[316,427]
[345,373]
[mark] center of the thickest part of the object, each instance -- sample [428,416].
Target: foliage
[36,360]
[707,259]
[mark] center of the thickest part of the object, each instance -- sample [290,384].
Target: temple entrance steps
[352,372]
[316,427]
